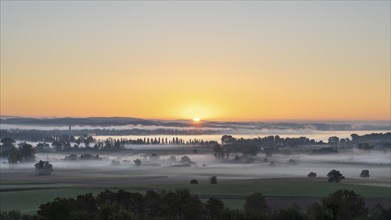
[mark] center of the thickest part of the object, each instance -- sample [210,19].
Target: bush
[312,175]
[89,157]
[193,181]
[43,168]
[364,174]
[213,180]
[137,162]
[172,158]
[185,159]
[71,157]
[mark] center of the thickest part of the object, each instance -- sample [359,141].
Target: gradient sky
[222,60]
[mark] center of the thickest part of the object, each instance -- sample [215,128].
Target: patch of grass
[28,201]
[276,188]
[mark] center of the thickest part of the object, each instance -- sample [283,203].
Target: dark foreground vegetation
[181,204]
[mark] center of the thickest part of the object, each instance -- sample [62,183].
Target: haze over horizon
[192,120]
[217,61]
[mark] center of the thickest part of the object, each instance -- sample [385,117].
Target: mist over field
[295,164]
[158,164]
[94,154]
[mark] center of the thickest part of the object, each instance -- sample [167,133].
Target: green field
[281,187]
[28,198]
[28,201]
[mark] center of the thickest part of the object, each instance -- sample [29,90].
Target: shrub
[89,157]
[43,168]
[172,158]
[312,175]
[137,162]
[185,159]
[364,174]
[213,180]
[193,181]
[71,157]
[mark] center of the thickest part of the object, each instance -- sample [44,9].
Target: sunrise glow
[196,120]
[321,60]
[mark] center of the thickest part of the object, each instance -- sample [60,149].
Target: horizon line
[204,120]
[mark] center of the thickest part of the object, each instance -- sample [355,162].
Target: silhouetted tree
[213,180]
[71,157]
[185,159]
[42,147]
[312,175]
[334,140]
[7,146]
[215,208]
[342,204]
[59,209]
[364,174]
[335,176]
[26,152]
[227,139]
[255,205]
[89,157]
[43,168]
[172,158]
[218,151]
[7,140]
[137,162]
[193,181]
[13,158]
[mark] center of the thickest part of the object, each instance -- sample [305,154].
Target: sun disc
[196,119]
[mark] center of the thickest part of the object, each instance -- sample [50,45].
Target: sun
[196,119]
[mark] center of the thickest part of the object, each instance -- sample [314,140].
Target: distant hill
[91,121]
[251,125]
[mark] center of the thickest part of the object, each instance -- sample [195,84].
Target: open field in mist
[284,183]
[157,163]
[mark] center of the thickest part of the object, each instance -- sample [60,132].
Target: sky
[214,60]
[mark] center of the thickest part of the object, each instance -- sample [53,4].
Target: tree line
[272,144]
[41,135]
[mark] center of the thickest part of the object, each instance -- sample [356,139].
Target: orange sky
[211,60]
